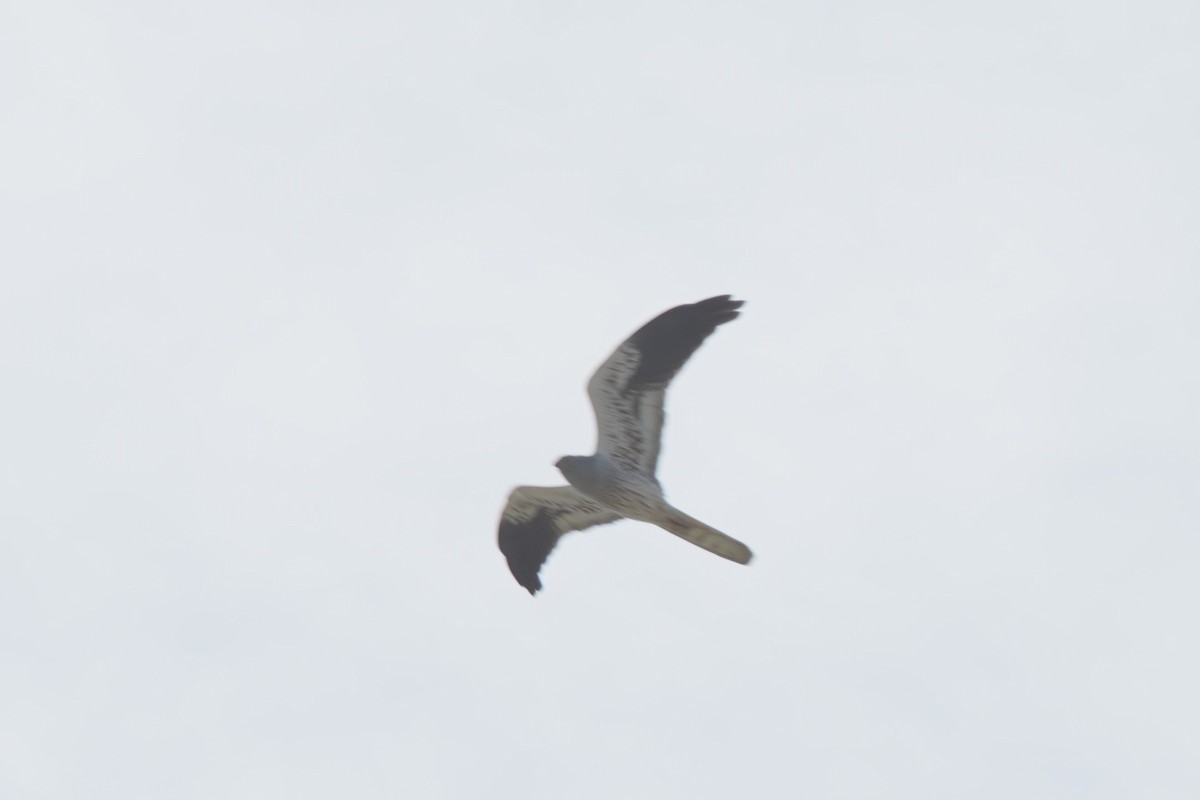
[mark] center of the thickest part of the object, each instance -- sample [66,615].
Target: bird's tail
[701,535]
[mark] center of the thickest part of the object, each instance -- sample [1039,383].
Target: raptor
[619,481]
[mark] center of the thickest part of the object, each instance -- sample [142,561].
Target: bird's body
[619,480]
[624,491]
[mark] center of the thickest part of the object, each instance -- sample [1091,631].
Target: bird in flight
[618,481]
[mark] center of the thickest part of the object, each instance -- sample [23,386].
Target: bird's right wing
[535,518]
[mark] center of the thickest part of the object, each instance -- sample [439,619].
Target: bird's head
[572,467]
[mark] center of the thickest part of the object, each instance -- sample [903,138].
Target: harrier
[618,482]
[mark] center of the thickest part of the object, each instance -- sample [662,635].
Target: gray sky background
[294,293]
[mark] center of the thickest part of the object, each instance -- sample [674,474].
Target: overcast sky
[294,293]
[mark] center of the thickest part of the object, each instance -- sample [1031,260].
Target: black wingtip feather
[668,341]
[526,546]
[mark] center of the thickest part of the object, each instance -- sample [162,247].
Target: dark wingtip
[531,582]
[722,308]
[525,547]
[668,341]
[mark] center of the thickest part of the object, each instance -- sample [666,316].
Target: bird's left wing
[629,389]
[535,519]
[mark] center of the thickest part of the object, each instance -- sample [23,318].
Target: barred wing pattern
[629,389]
[627,394]
[535,518]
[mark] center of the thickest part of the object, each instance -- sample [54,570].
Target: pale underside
[627,394]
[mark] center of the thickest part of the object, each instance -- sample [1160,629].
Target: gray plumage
[618,481]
